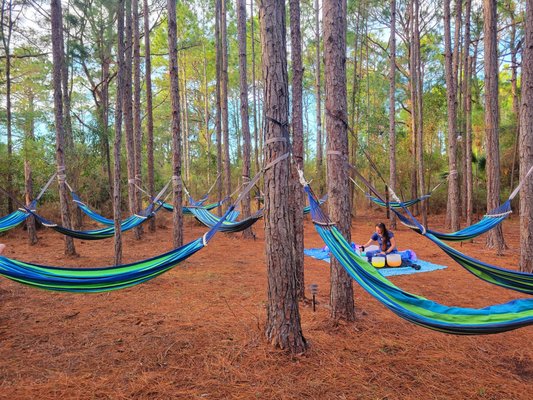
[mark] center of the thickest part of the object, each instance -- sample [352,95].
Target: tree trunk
[514,90]
[413,92]
[526,145]
[453,181]
[283,328]
[467,98]
[419,113]
[149,113]
[224,97]
[28,180]
[176,124]
[254,95]
[495,238]
[57,57]
[297,195]
[218,123]
[137,129]
[207,133]
[334,23]
[117,197]
[392,107]
[319,139]
[6,39]
[241,30]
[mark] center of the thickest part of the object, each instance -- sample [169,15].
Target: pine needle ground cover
[197,332]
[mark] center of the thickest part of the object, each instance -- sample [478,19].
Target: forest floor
[198,330]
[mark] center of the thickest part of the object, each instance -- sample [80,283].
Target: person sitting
[386,242]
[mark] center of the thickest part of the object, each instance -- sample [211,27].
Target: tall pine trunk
[467,109]
[224,97]
[149,112]
[297,194]
[392,107]
[176,125]
[254,95]
[57,57]
[495,238]
[453,181]
[245,119]
[137,129]
[334,23]
[526,146]
[28,180]
[117,197]
[319,139]
[283,327]
[218,116]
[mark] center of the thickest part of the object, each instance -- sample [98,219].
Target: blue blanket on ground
[425,266]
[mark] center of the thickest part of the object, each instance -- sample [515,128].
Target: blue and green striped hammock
[186,210]
[489,221]
[396,204]
[12,220]
[510,279]
[417,309]
[99,279]
[103,233]
[229,225]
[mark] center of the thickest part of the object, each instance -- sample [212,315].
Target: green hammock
[101,278]
[414,308]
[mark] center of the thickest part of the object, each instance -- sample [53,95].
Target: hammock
[489,221]
[510,279]
[396,204]
[103,233]
[307,209]
[10,221]
[210,220]
[414,308]
[15,218]
[102,278]
[186,210]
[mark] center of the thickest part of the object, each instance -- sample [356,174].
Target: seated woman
[386,242]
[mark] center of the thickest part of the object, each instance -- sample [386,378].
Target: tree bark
[453,181]
[224,98]
[218,122]
[283,327]
[149,112]
[526,145]
[297,195]
[495,238]
[28,180]
[514,89]
[57,57]
[467,98]
[319,139]
[117,197]
[392,107]
[334,23]
[137,129]
[176,125]
[254,95]
[245,124]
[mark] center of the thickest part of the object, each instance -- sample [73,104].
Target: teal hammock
[230,225]
[14,219]
[510,279]
[100,279]
[417,309]
[397,204]
[489,221]
[186,210]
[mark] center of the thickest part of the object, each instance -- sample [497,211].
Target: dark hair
[386,235]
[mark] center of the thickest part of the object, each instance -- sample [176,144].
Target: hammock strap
[517,189]
[45,187]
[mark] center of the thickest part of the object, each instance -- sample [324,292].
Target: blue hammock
[89,212]
[103,233]
[230,225]
[10,221]
[307,209]
[414,308]
[489,221]
[187,211]
[510,279]
[102,278]
[396,204]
